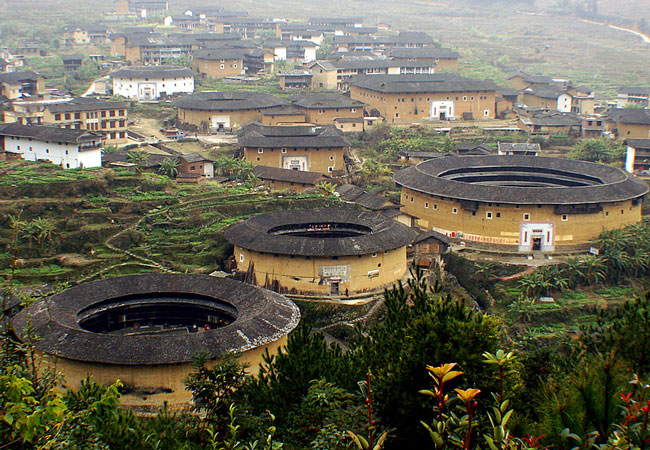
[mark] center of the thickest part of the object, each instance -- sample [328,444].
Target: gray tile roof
[19,77]
[221,53]
[85,104]
[440,82]
[631,116]
[639,143]
[47,133]
[521,180]
[255,135]
[639,91]
[228,101]
[531,78]
[369,200]
[288,175]
[422,52]
[382,233]
[153,72]
[325,101]
[262,317]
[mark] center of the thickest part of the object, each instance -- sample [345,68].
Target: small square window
[332,158]
[284,150]
[464,98]
[260,150]
[498,215]
[221,66]
[412,199]
[426,204]
[241,257]
[454,210]
[565,217]
[435,206]
[330,169]
[526,216]
[374,255]
[488,214]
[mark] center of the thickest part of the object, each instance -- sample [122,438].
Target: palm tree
[139,158]
[243,168]
[327,188]
[42,230]
[169,167]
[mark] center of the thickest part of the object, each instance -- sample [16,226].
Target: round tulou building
[321,251]
[520,203]
[144,330]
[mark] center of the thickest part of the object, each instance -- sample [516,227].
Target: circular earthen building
[144,330]
[322,251]
[521,203]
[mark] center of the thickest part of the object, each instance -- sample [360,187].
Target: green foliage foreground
[439,381]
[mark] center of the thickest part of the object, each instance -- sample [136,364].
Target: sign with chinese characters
[341,273]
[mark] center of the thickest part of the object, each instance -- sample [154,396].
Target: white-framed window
[260,150]
[488,214]
[565,217]
[374,255]
[234,65]
[320,111]
[454,210]
[526,216]
[221,66]
[330,169]
[353,110]
[464,98]
[332,158]
[284,150]
[486,112]
[241,257]
[426,204]
[435,206]
[412,199]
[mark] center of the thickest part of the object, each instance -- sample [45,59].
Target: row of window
[284,150]
[90,115]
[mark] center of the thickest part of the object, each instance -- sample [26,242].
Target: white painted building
[71,149]
[152,82]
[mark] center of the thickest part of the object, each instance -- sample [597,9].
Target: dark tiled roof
[325,101]
[85,104]
[435,177]
[228,101]
[634,91]
[46,133]
[465,148]
[369,200]
[639,143]
[152,72]
[440,82]
[262,317]
[221,53]
[555,119]
[632,116]
[552,92]
[194,157]
[255,135]
[72,57]
[19,77]
[385,234]
[432,235]
[422,52]
[335,20]
[288,175]
[153,159]
[531,78]
[282,111]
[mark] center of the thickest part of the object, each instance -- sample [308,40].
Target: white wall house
[152,82]
[71,149]
[564,102]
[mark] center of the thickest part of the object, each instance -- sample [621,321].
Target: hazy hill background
[493,36]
